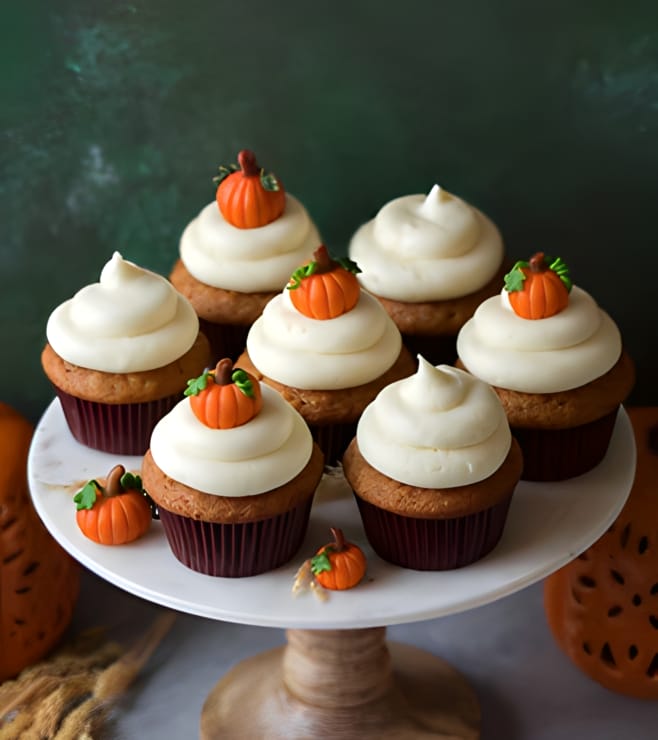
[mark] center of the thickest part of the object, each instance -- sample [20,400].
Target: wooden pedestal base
[341,684]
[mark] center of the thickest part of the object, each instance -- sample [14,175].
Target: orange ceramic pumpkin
[602,608]
[225,398]
[115,513]
[339,565]
[538,288]
[324,288]
[247,196]
[38,580]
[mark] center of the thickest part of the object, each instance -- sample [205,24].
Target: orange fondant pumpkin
[225,398]
[538,288]
[339,565]
[113,512]
[602,608]
[324,288]
[248,197]
[38,580]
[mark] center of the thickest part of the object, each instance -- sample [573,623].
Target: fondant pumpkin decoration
[247,196]
[339,565]
[325,288]
[538,288]
[602,607]
[224,398]
[39,582]
[115,513]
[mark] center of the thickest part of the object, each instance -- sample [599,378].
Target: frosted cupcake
[556,361]
[233,470]
[433,468]
[328,347]
[119,354]
[430,260]
[239,252]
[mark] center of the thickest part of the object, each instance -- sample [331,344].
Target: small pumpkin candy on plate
[115,511]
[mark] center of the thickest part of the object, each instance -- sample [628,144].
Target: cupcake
[239,251]
[433,468]
[232,469]
[119,354]
[556,361]
[430,260]
[328,347]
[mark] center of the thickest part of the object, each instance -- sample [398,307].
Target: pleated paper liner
[122,428]
[433,544]
[333,439]
[559,454]
[236,550]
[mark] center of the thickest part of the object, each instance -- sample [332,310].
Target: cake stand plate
[337,676]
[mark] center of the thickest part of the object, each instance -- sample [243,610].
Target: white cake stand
[337,676]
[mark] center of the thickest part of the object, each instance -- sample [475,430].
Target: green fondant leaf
[515,277]
[320,562]
[131,482]
[561,270]
[196,385]
[243,382]
[268,181]
[350,265]
[300,273]
[86,497]
[224,172]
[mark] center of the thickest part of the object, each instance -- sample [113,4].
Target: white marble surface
[528,690]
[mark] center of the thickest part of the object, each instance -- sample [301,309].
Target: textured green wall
[114,117]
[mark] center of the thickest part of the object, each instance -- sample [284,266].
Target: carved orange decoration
[115,513]
[249,197]
[225,398]
[325,288]
[538,288]
[38,580]
[339,565]
[602,608]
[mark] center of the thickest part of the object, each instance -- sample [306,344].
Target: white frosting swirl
[558,353]
[131,320]
[430,248]
[314,354]
[266,452]
[439,428]
[248,260]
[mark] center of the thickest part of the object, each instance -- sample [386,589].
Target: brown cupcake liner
[433,544]
[437,350]
[226,340]
[121,429]
[333,439]
[559,454]
[236,550]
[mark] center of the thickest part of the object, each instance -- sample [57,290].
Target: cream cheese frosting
[314,354]
[549,355]
[427,248]
[248,260]
[266,452]
[439,428]
[131,320]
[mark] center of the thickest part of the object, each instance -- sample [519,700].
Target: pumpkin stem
[537,263]
[113,485]
[339,539]
[248,164]
[223,372]
[323,262]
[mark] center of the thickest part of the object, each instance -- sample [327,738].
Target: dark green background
[114,117]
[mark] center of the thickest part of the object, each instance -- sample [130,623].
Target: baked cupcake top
[322,332]
[427,248]
[538,350]
[252,237]
[438,428]
[131,320]
[231,436]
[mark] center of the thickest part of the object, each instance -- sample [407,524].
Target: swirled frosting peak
[264,453]
[427,248]
[439,428]
[248,260]
[549,355]
[131,320]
